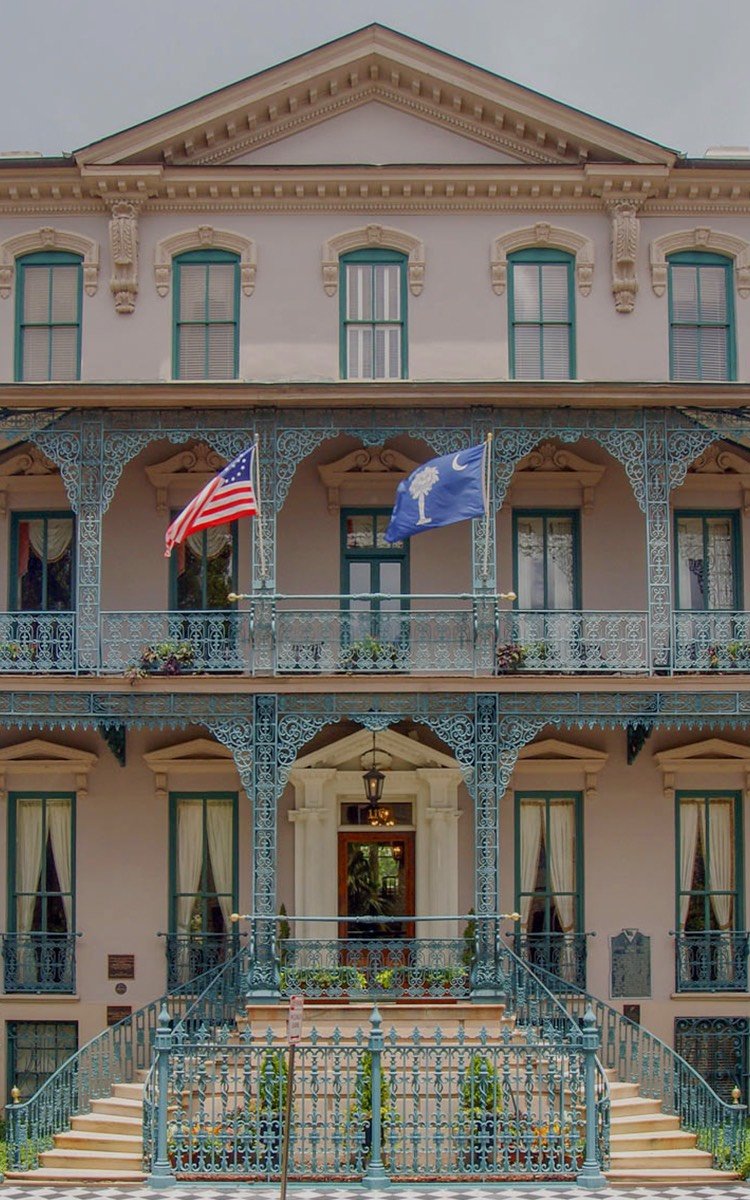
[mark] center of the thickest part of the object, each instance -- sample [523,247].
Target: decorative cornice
[373,236]
[375,470]
[194,466]
[36,758]
[49,238]
[542,234]
[700,238]
[553,466]
[201,238]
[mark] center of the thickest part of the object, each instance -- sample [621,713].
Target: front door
[376,880]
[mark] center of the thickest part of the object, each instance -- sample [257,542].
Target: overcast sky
[74,71]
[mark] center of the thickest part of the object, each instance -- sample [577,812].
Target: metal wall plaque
[121,966]
[630,961]
[632,1012]
[118,1012]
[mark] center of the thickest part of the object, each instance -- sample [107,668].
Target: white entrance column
[315,821]
[436,817]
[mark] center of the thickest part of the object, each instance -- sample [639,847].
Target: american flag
[229,495]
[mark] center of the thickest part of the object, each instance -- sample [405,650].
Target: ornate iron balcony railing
[40,962]
[37,642]
[176,643]
[376,633]
[561,954]
[711,960]
[190,955]
[403,968]
[572,642]
[711,641]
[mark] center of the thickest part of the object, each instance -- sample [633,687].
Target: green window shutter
[373,315]
[48,317]
[541,315]
[701,317]
[206,315]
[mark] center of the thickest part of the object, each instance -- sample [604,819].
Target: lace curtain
[216,540]
[531,840]
[219,821]
[28,860]
[31,537]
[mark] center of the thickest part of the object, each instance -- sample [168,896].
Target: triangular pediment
[704,753]
[198,751]
[374,66]
[38,751]
[552,750]
[391,750]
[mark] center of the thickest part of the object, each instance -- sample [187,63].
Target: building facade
[363,258]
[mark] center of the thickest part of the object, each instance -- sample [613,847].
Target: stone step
[92,1160]
[118,1106]
[662,1159]
[91,1139]
[674,1139]
[669,1176]
[106,1123]
[128,1091]
[633,1106]
[66,1177]
[649,1122]
[621,1091]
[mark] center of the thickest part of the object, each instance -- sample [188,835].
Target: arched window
[373,314]
[701,316]
[541,314]
[206,315]
[48,316]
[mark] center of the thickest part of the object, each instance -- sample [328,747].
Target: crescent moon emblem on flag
[456,465]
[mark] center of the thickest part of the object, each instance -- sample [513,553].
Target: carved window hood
[36,760]
[27,472]
[369,475]
[182,475]
[712,757]
[562,759]
[720,469]
[189,763]
[550,467]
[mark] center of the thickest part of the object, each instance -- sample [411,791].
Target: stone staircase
[105,1145]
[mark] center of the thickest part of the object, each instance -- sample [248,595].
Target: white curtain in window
[721,859]
[189,859]
[59,536]
[28,860]
[720,572]
[691,817]
[561,854]
[219,829]
[59,823]
[560,568]
[216,539]
[531,839]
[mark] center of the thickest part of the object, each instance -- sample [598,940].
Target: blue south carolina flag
[441,491]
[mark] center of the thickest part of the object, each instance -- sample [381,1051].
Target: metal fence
[711,960]
[37,642]
[176,643]
[39,962]
[573,642]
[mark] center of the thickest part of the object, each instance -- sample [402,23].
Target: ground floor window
[719,1049]
[35,1050]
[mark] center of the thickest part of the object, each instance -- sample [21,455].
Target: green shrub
[481,1091]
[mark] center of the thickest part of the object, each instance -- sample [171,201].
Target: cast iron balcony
[37,642]
[562,954]
[572,642]
[40,962]
[176,643]
[711,960]
[711,641]
[192,954]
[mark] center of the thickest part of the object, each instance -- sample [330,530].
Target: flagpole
[259,523]
[487,501]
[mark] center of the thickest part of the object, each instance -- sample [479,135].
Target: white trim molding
[37,758]
[202,238]
[195,758]
[700,238]
[542,234]
[373,236]
[557,758]
[710,757]
[48,238]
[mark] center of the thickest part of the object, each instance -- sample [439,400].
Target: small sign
[121,988]
[121,966]
[118,1012]
[630,964]
[632,1012]
[294,1019]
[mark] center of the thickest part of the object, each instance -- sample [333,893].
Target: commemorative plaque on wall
[630,964]
[121,966]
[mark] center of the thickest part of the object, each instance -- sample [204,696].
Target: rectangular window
[549,886]
[540,307]
[373,315]
[711,946]
[35,1050]
[546,560]
[48,317]
[203,569]
[707,561]
[42,562]
[204,881]
[374,580]
[206,306]
[39,949]
[701,317]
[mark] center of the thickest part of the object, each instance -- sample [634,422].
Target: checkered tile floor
[732,1191]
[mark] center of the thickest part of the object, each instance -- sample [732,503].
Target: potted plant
[510,656]
[18,652]
[370,654]
[163,658]
[480,1103]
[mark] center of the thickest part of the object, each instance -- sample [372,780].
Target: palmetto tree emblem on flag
[422,483]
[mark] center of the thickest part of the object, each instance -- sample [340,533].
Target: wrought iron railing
[176,643]
[639,1057]
[191,955]
[563,954]
[572,642]
[37,642]
[418,634]
[39,962]
[711,960]
[711,641]
[358,968]
[113,1056]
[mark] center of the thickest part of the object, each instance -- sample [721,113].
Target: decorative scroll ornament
[625,236]
[370,473]
[202,238]
[123,241]
[48,238]
[552,466]
[195,465]
[375,236]
[724,470]
[25,472]
[542,234]
[701,238]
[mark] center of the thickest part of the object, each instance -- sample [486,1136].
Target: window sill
[703,996]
